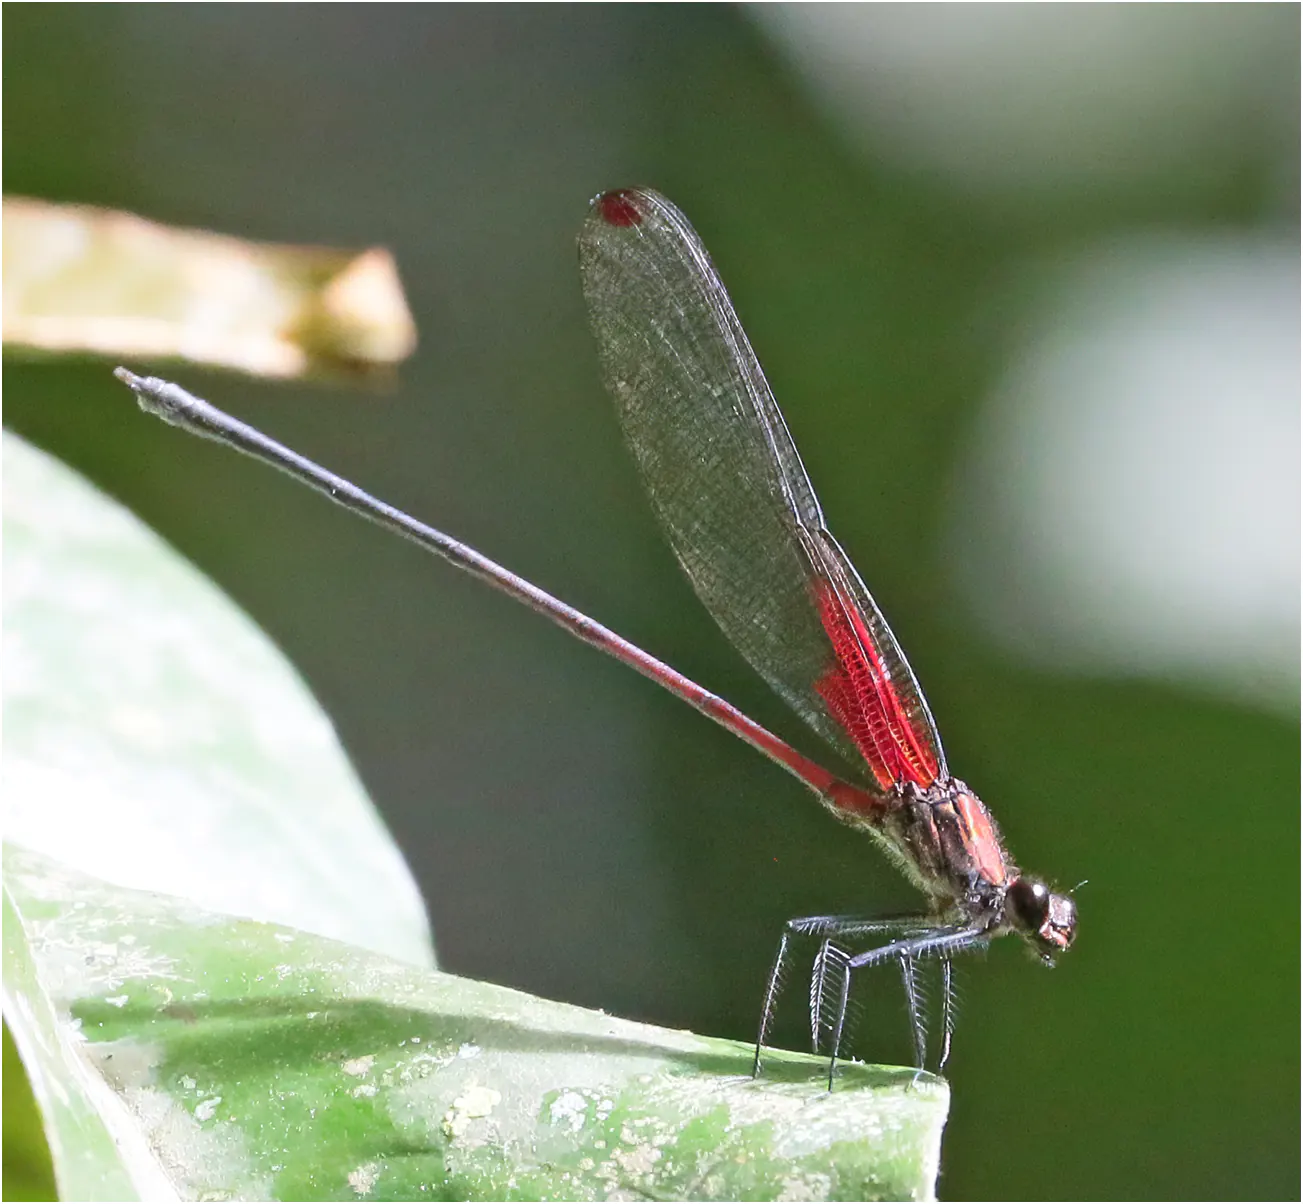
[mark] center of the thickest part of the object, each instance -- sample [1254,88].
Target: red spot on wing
[862,699]
[983,843]
[619,208]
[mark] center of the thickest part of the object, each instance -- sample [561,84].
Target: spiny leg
[831,960]
[914,1003]
[771,996]
[841,925]
[909,928]
[841,1020]
[939,942]
[947,1009]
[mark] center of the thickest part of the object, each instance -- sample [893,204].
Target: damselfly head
[1045,918]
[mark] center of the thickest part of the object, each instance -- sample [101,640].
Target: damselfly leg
[909,940]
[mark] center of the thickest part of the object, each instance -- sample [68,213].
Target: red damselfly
[731,492]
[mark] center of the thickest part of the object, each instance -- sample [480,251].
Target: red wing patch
[861,698]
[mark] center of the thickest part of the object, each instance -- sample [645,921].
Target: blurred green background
[889,200]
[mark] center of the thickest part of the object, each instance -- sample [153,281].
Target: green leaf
[86,1162]
[261,1062]
[155,737]
[28,1173]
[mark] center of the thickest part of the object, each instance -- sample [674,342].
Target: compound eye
[1030,901]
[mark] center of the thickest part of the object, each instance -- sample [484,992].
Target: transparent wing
[728,486]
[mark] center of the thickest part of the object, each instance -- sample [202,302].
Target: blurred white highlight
[1132,500]
[1012,101]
